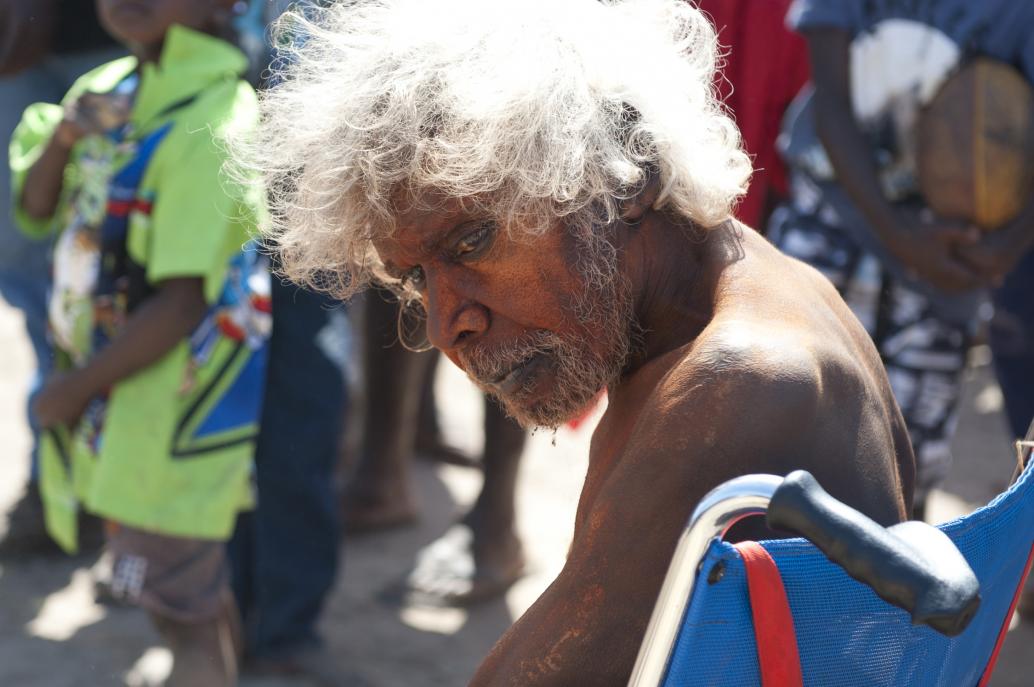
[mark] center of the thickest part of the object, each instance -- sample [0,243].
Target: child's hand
[61,401]
[92,113]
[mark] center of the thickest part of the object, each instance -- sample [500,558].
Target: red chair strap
[1005,623]
[773,622]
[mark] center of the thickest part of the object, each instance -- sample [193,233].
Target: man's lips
[516,377]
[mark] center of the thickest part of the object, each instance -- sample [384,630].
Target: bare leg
[429,442]
[481,556]
[205,654]
[378,495]
[497,548]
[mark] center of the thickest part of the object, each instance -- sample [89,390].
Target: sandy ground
[52,634]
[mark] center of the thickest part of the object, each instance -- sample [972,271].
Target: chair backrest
[846,635]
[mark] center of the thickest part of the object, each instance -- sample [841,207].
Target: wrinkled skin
[748,361]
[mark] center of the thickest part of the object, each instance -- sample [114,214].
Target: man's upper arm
[742,412]
[699,431]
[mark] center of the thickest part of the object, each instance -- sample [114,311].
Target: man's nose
[454,317]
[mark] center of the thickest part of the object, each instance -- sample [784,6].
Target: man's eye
[476,240]
[414,278]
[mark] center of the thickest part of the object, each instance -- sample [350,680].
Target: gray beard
[580,370]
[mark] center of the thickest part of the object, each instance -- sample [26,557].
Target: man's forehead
[420,224]
[426,213]
[423,220]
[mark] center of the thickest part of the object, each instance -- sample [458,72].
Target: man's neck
[673,279]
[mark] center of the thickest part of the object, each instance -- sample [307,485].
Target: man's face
[515,314]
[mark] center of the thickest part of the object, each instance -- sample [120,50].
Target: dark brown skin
[43,181]
[751,363]
[155,328]
[948,255]
[378,495]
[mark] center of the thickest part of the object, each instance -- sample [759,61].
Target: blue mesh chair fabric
[846,635]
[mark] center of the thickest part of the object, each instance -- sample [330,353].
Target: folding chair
[787,612]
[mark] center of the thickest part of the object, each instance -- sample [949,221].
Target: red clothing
[766,67]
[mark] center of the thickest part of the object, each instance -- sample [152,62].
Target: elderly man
[550,184]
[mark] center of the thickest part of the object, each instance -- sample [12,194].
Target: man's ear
[633,209]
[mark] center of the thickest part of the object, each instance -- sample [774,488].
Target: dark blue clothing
[284,554]
[996,28]
[1012,344]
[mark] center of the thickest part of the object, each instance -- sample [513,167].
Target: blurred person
[1011,337]
[915,281]
[159,317]
[480,556]
[763,70]
[549,187]
[284,553]
[45,47]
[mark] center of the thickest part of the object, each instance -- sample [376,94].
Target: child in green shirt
[160,318]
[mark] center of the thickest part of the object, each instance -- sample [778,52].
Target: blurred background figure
[1012,345]
[159,315]
[481,555]
[915,280]
[766,65]
[284,553]
[45,45]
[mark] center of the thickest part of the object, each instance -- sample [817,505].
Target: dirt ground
[52,634]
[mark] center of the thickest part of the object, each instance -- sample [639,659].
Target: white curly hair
[531,110]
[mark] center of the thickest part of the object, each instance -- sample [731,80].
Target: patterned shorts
[924,356]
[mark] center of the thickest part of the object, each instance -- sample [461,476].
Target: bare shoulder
[740,365]
[749,397]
